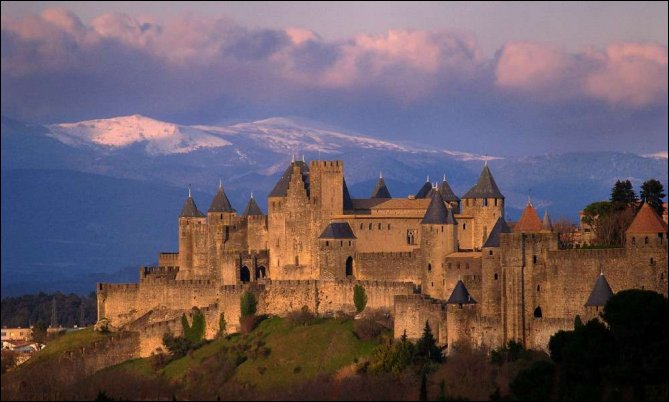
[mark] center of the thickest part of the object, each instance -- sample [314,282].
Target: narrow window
[534,259]
[370,226]
[538,288]
[537,312]
[496,276]
[464,226]
[645,240]
[429,267]
[490,252]
[327,244]
[361,226]
[379,226]
[485,202]
[389,226]
[652,262]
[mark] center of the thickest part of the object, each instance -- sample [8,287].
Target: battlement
[158,270]
[335,165]
[389,255]
[117,287]
[559,256]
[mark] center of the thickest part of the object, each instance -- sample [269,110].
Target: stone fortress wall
[422,259]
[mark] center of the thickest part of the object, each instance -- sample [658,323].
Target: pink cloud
[630,74]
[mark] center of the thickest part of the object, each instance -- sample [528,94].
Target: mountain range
[93,200]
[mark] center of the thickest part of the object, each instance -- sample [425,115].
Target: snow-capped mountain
[278,134]
[119,132]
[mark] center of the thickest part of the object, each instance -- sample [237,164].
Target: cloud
[423,82]
[624,74]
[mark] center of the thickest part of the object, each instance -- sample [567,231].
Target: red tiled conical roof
[647,221]
[529,221]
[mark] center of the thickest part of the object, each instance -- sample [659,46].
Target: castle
[430,257]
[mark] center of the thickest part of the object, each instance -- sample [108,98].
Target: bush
[367,329]
[222,324]
[359,298]
[510,352]
[301,317]
[179,346]
[194,332]
[393,358]
[248,304]
[534,383]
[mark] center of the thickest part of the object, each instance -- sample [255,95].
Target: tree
[608,223]
[39,332]
[638,321]
[534,383]
[222,324]
[359,298]
[426,346]
[622,195]
[248,304]
[652,193]
[566,232]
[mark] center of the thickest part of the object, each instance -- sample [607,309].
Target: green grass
[141,367]
[296,353]
[68,342]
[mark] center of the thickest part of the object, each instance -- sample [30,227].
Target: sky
[485,77]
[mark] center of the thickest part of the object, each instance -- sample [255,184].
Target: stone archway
[349,267]
[244,274]
[261,272]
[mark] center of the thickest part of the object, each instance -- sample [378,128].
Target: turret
[529,220]
[380,190]
[220,211]
[461,317]
[191,223]
[601,293]
[438,239]
[336,252]
[647,230]
[449,196]
[485,204]
[546,224]
[256,222]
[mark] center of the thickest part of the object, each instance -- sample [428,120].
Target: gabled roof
[337,230]
[348,202]
[647,221]
[424,191]
[220,203]
[460,295]
[189,210]
[493,238]
[485,188]
[546,224]
[281,187]
[252,208]
[529,221]
[601,293]
[380,190]
[437,213]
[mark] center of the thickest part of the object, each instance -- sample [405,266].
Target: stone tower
[461,316]
[192,240]
[256,223]
[523,262]
[491,271]
[438,239]
[485,203]
[336,251]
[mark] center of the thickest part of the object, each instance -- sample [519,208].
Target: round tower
[438,239]
[485,204]
[190,220]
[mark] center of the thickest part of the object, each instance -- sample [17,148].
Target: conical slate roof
[601,293]
[446,192]
[190,210]
[437,213]
[252,208]
[647,221]
[220,203]
[281,187]
[546,224]
[529,221]
[460,295]
[380,190]
[337,230]
[348,203]
[424,191]
[485,188]
[493,238]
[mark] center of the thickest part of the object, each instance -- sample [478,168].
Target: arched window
[496,276]
[429,267]
[349,267]
[537,312]
[490,252]
[327,243]
[538,288]
[244,274]
[261,272]
[464,226]
[652,261]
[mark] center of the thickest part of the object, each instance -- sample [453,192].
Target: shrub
[367,329]
[301,317]
[248,304]
[359,298]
